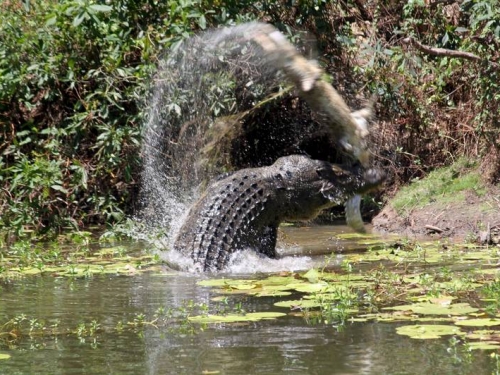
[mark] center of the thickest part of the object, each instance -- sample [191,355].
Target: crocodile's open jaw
[331,192]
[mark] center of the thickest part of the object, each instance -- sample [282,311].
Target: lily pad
[351,236]
[279,280]
[232,318]
[272,293]
[312,275]
[244,286]
[428,331]
[266,315]
[484,345]
[312,288]
[426,308]
[31,271]
[443,300]
[274,288]
[298,304]
[482,322]
[206,319]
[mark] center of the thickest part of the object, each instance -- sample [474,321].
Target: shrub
[73,76]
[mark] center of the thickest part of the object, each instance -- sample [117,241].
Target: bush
[436,106]
[73,76]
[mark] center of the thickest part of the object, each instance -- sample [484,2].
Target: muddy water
[288,345]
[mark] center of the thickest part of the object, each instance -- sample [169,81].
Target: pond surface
[110,324]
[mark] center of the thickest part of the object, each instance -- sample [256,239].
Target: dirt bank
[472,216]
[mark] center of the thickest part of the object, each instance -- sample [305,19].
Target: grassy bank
[441,187]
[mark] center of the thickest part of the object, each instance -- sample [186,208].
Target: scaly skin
[244,209]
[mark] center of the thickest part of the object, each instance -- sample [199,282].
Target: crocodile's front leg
[262,241]
[267,243]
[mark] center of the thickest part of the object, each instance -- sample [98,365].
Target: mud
[477,218]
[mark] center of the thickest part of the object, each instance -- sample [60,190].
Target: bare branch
[360,4]
[434,51]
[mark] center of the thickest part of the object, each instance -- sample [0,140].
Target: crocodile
[243,210]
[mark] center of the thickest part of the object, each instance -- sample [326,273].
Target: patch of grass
[443,185]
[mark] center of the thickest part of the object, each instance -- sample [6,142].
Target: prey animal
[243,210]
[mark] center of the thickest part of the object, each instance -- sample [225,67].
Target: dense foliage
[74,75]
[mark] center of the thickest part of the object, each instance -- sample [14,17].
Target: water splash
[246,262]
[249,262]
[201,85]
[203,88]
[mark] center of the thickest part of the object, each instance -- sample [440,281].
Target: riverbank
[453,201]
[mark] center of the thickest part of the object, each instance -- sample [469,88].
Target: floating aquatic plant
[23,259]
[429,308]
[484,345]
[428,331]
[232,318]
[480,322]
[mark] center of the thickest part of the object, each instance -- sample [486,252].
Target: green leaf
[272,293]
[436,309]
[101,8]
[312,275]
[311,288]
[59,188]
[428,331]
[296,304]
[202,22]
[22,133]
[484,345]
[232,318]
[265,315]
[51,21]
[78,19]
[485,322]
[4,356]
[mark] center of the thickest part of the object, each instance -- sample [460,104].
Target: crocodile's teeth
[330,192]
[326,190]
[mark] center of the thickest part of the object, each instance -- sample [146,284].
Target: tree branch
[362,10]
[434,51]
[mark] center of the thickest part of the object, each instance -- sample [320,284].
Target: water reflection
[287,345]
[290,347]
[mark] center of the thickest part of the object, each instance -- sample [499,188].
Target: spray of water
[200,87]
[247,262]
